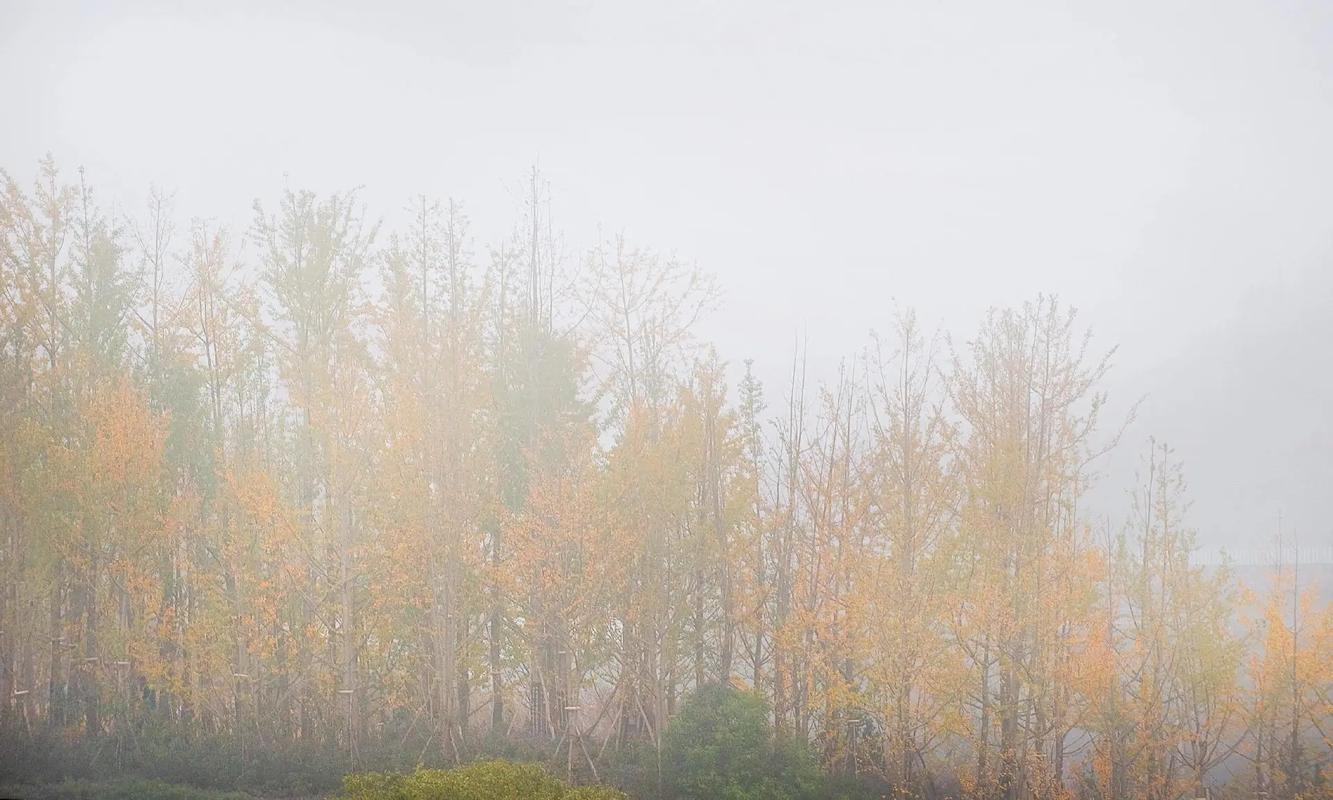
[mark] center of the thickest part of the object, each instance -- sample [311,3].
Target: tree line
[316,483]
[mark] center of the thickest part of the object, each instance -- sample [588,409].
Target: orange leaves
[1289,674]
[256,497]
[127,439]
[365,515]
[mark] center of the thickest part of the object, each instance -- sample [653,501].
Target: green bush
[484,780]
[594,793]
[721,747]
[171,754]
[125,789]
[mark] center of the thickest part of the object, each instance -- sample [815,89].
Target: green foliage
[594,793]
[721,747]
[484,780]
[167,753]
[124,789]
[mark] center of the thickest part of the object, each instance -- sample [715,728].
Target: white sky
[1165,167]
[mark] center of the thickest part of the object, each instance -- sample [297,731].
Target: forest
[319,497]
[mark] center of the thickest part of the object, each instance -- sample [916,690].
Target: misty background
[1164,167]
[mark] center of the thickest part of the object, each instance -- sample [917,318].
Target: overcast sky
[1165,167]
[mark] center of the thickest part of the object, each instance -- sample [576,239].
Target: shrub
[484,780]
[720,747]
[124,789]
[594,793]
[170,754]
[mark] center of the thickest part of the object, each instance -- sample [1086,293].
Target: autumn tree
[314,497]
[1287,707]
[1028,397]
[912,496]
[313,254]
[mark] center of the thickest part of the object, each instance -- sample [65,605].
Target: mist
[415,384]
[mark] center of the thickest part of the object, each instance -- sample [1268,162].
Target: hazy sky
[1165,167]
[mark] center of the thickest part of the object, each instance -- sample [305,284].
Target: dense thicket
[374,497]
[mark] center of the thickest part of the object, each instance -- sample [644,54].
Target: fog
[1164,168]
[666,401]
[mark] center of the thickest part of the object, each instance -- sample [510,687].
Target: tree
[314,254]
[320,501]
[1030,400]
[912,495]
[1288,705]
[722,746]
[1166,718]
